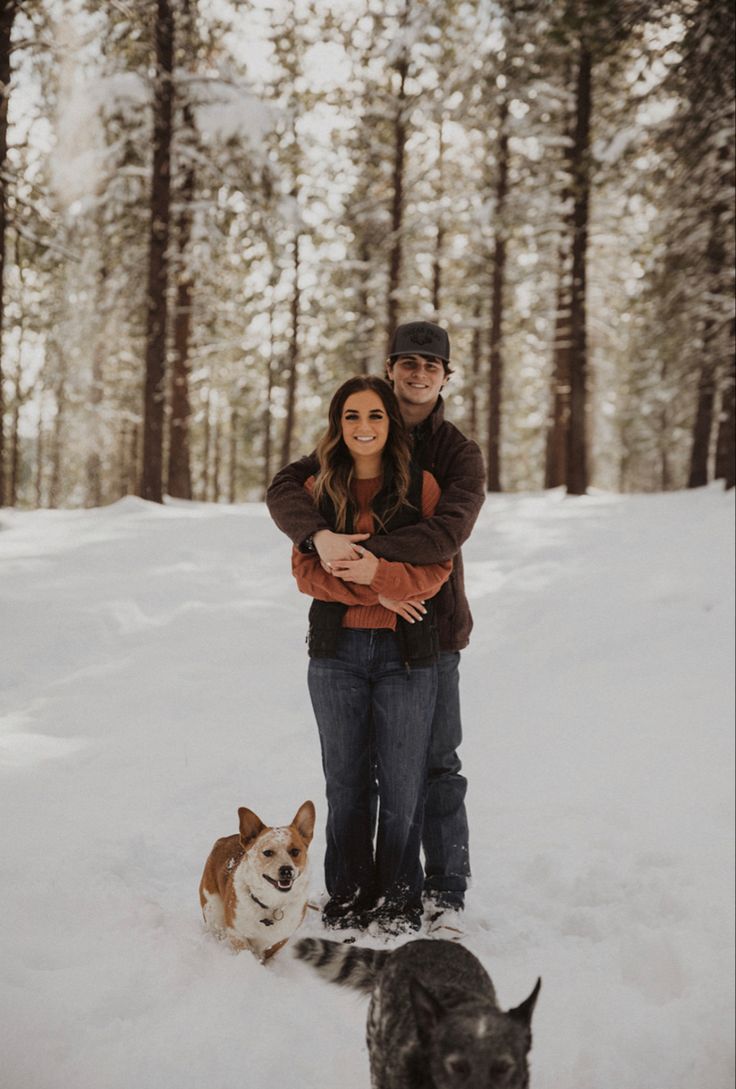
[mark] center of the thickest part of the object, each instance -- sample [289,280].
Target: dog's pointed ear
[250,826]
[523,1013]
[304,822]
[427,1010]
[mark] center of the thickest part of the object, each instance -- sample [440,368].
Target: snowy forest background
[213,212]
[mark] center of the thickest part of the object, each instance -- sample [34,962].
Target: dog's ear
[304,822]
[427,1010]
[523,1013]
[250,826]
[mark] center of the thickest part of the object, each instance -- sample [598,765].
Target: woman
[372,669]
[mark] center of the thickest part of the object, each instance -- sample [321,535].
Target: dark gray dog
[433,1021]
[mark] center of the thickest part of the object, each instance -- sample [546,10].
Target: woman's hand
[411,610]
[362,570]
[337,546]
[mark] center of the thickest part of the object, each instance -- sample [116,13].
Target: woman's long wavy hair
[336,469]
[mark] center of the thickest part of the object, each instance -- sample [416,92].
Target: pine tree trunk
[8,9]
[555,462]
[15,442]
[495,375]
[217,441]
[205,481]
[475,371]
[437,271]
[122,457]
[665,472]
[726,443]
[153,418]
[712,332]
[134,456]
[40,454]
[440,238]
[233,456]
[365,312]
[702,426]
[397,204]
[293,361]
[179,482]
[12,484]
[577,464]
[267,439]
[267,420]
[179,474]
[94,460]
[58,434]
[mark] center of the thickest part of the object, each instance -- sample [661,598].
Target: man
[418,367]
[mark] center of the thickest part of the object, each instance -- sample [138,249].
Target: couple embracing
[378,516]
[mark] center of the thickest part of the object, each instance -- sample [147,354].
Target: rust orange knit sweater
[397,581]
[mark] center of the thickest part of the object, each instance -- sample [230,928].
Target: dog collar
[277,913]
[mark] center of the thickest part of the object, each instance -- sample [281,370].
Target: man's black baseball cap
[420,338]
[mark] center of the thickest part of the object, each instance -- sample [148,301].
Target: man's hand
[337,546]
[362,571]
[410,610]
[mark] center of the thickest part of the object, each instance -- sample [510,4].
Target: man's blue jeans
[366,693]
[445,833]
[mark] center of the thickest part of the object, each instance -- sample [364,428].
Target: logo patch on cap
[420,338]
[424,334]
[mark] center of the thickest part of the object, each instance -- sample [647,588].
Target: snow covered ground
[153,678]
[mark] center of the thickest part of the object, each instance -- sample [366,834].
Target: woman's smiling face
[365,425]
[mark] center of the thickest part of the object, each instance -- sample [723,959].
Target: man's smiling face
[418,380]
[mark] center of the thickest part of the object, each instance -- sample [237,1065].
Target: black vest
[418,643]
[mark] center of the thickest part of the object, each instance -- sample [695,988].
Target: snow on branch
[228,109]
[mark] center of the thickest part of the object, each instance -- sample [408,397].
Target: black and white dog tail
[349,965]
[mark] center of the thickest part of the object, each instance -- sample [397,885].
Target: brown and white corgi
[254,886]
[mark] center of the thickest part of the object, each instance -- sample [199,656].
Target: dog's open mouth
[283,885]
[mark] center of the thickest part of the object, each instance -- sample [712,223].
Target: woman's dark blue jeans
[367,692]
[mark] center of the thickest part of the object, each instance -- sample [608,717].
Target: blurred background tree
[550,179]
